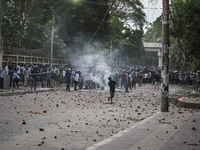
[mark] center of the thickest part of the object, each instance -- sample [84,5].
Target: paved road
[76,120]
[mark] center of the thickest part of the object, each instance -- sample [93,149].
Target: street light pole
[111,44]
[52,30]
[165,58]
[111,52]
[52,35]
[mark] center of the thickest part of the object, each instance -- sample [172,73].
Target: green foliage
[154,32]
[185,28]
[184,34]
[28,24]
[128,11]
[129,47]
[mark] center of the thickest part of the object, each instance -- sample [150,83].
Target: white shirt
[6,69]
[76,78]
[19,69]
[2,73]
[23,69]
[63,73]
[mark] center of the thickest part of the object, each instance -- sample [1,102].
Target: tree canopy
[28,23]
[184,34]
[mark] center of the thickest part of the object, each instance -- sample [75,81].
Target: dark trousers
[112,94]
[34,83]
[198,84]
[68,85]
[48,83]
[134,84]
[75,85]
[1,82]
[11,81]
[15,81]
[126,85]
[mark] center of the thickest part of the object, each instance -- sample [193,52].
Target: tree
[185,28]
[184,32]
[28,29]
[76,24]
[154,32]
[128,12]
[15,16]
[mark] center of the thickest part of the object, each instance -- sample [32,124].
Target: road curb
[184,104]
[24,92]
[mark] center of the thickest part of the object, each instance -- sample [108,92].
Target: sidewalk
[164,131]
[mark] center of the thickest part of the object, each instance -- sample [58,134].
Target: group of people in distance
[127,78]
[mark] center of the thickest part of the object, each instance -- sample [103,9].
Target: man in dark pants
[111,84]
[68,75]
[16,79]
[34,74]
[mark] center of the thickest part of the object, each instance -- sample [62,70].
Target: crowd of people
[127,78]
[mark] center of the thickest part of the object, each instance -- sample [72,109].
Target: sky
[152,9]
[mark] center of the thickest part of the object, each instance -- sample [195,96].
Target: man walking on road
[111,84]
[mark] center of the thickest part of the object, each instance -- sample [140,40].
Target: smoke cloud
[94,60]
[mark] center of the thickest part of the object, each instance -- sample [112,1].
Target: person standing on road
[140,78]
[146,75]
[76,79]
[157,80]
[198,79]
[134,80]
[68,75]
[16,79]
[111,84]
[2,76]
[26,76]
[34,73]
[48,78]
[10,73]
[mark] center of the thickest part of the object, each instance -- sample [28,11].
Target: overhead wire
[60,6]
[39,16]
[155,7]
[99,26]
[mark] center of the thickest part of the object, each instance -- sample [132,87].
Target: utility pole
[111,44]
[111,53]
[52,35]
[165,58]
[1,48]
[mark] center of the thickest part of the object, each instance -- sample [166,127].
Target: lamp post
[123,32]
[52,28]
[52,34]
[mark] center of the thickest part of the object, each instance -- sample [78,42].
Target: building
[153,54]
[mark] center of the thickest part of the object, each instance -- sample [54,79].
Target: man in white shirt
[18,69]
[6,69]
[76,79]
[2,75]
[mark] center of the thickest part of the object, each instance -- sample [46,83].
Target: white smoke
[94,59]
